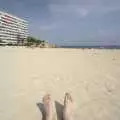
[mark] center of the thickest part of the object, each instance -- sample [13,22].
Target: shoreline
[79,47]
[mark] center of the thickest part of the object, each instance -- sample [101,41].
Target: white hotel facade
[12,29]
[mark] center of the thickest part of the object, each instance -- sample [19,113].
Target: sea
[93,47]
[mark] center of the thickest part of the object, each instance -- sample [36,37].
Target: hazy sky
[70,22]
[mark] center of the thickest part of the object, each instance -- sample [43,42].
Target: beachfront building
[13,29]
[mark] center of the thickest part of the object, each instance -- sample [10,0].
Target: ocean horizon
[97,47]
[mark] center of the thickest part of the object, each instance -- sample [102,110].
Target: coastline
[67,47]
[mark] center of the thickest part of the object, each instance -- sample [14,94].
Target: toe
[46,98]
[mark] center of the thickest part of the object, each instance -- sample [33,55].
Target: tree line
[30,41]
[36,42]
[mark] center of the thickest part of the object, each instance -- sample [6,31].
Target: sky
[69,22]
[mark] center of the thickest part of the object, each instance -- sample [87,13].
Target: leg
[47,107]
[68,107]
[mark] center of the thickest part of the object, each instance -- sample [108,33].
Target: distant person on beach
[67,111]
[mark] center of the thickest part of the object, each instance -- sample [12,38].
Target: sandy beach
[91,76]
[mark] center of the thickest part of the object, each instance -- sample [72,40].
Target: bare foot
[68,107]
[47,107]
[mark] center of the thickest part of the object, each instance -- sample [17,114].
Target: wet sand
[91,76]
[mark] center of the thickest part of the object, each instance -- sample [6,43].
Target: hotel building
[12,29]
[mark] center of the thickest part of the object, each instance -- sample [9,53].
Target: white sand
[92,77]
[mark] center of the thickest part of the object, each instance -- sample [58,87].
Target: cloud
[68,11]
[74,2]
[82,8]
[51,26]
[48,27]
[82,12]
